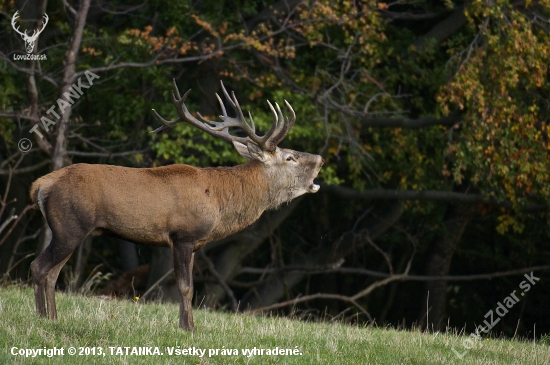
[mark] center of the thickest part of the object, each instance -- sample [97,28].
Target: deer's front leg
[183,269]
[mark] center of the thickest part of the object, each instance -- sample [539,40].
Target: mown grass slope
[113,325]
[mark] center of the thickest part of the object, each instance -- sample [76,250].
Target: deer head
[29,40]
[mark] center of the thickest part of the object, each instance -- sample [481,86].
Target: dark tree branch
[10,218]
[19,116]
[448,121]
[319,270]
[127,9]
[312,297]
[387,279]
[10,159]
[4,201]
[384,254]
[16,221]
[155,62]
[392,15]
[272,12]
[443,29]
[277,285]
[106,154]
[25,170]
[69,7]
[221,280]
[388,194]
[307,269]
[157,283]
[239,246]
[447,196]
[350,299]
[28,71]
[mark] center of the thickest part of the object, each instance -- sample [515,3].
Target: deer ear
[250,151]
[242,149]
[256,152]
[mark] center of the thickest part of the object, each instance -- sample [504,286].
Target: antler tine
[286,123]
[222,105]
[277,132]
[178,90]
[226,94]
[166,123]
[275,125]
[44,23]
[224,115]
[248,129]
[235,104]
[252,126]
[240,121]
[13,20]
[237,108]
[178,101]
[224,112]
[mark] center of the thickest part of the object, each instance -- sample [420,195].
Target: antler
[46,19]
[13,20]
[268,142]
[24,34]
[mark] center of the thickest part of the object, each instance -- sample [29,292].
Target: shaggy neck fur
[243,193]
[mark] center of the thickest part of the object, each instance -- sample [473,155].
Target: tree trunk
[438,264]
[60,157]
[128,255]
[161,262]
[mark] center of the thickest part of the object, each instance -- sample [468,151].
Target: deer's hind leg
[51,279]
[46,267]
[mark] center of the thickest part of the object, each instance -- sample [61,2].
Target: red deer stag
[179,206]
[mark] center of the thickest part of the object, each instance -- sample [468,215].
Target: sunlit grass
[100,322]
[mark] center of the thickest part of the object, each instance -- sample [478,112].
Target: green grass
[97,322]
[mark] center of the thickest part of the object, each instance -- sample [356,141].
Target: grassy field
[105,327]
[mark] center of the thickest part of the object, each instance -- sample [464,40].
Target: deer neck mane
[243,193]
[245,185]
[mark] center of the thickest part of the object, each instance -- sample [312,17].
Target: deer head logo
[29,40]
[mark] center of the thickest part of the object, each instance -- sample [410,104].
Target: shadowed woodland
[432,118]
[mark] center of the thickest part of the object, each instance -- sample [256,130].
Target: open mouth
[313,188]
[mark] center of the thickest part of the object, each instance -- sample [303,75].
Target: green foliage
[502,85]
[186,144]
[9,99]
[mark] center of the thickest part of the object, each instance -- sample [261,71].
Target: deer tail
[39,189]
[34,191]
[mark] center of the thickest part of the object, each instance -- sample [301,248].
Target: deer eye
[290,158]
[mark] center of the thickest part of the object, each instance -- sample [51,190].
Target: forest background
[432,118]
